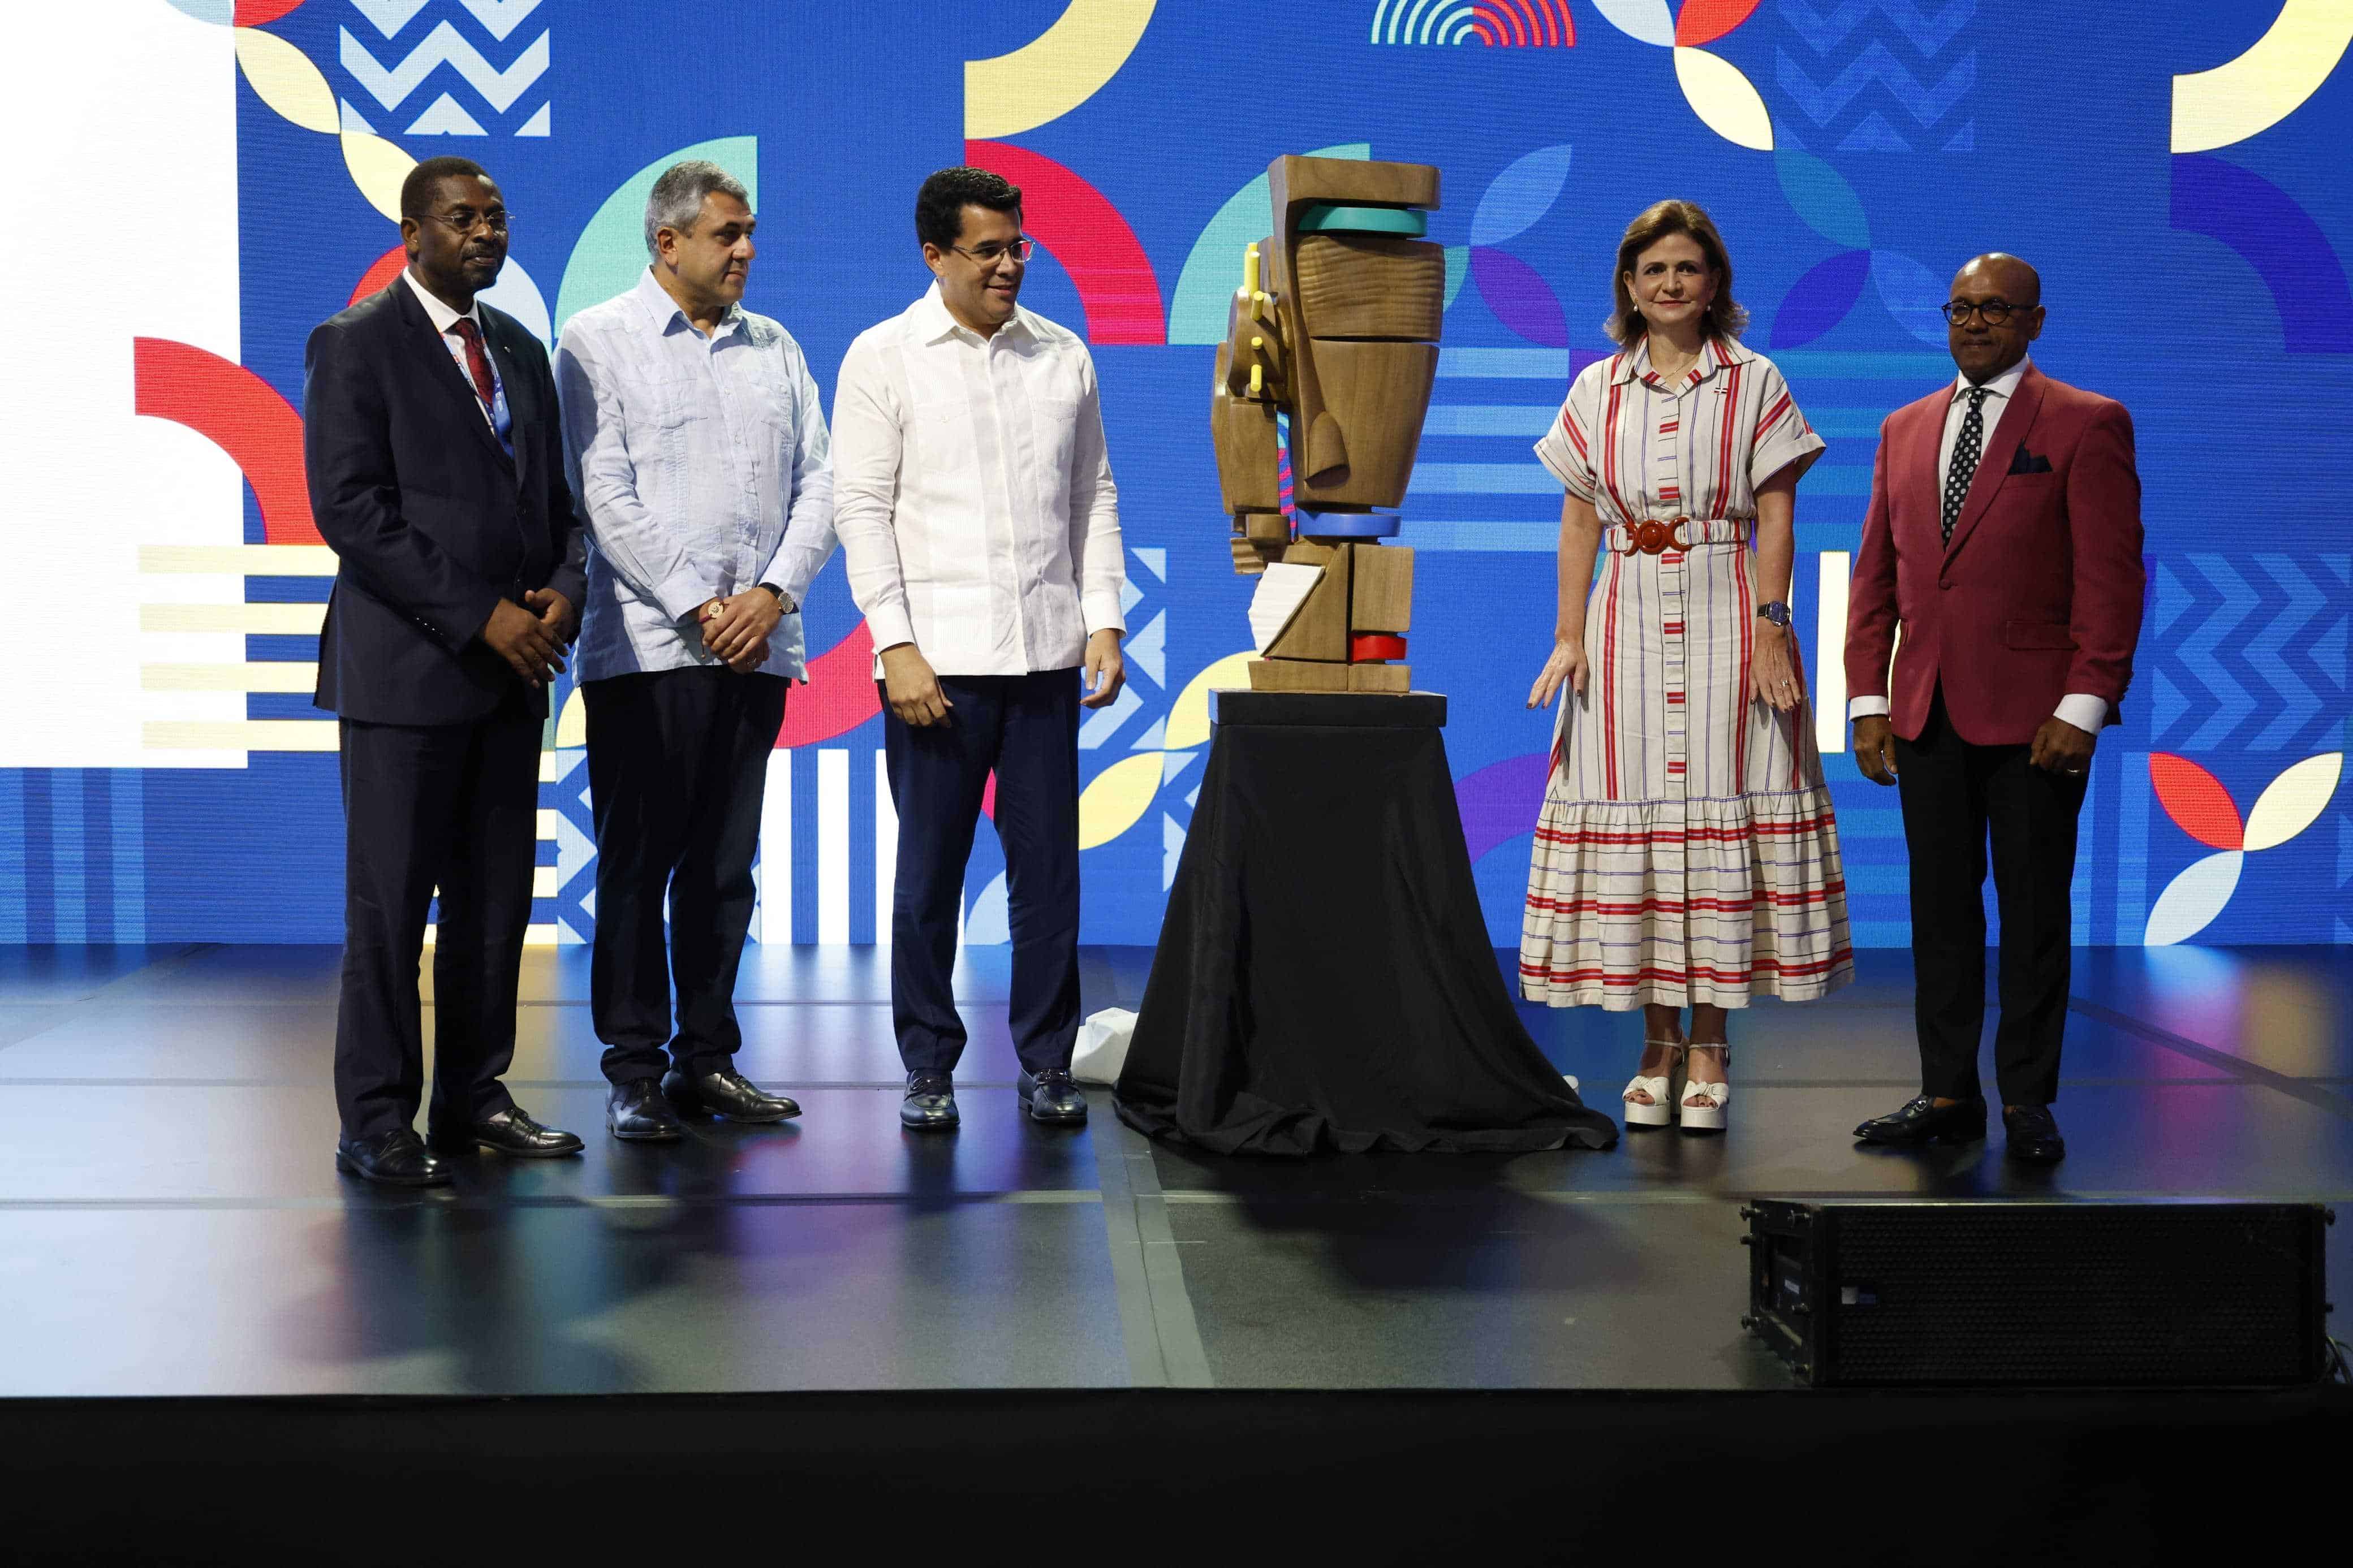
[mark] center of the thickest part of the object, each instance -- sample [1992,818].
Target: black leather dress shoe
[511,1132]
[637,1113]
[930,1105]
[726,1093]
[1923,1121]
[394,1159]
[1051,1097]
[2033,1135]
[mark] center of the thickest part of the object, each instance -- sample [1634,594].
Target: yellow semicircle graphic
[2263,87]
[1053,73]
[282,77]
[1188,720]
[1724,100]
[1118,795]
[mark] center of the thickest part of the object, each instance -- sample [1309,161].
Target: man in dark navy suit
[436,469]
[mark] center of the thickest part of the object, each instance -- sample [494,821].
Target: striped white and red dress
[1686,852]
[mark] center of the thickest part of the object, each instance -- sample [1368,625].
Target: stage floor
[171,1221]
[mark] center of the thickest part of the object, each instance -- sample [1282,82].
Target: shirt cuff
[1101,612]
[2086,713]
[1866,708]
[681,593]
[889,626]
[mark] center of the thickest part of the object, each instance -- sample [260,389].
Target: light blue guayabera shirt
[703,467]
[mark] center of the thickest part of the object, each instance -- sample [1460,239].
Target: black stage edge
[1156,1476]
[1352,709]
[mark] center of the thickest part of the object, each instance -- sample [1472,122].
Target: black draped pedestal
[1323,981]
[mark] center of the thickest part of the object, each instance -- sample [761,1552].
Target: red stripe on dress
[1585,836]
[1724,445]
[1609,453]
[1773,414]
[1740,710]
[1576,436]
[1598,906]
[1697,971]
[1609,681]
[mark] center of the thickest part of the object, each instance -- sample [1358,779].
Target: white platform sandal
[1661,1111]
[1702,1104]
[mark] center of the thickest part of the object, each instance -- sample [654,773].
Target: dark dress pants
[1956,797]
[454,807]
[1024,729]
[678,762]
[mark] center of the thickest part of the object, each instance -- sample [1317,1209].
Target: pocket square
[2025,462]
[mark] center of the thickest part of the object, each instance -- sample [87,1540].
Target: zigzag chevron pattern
[392,81]
[2249,652]
[1851,42]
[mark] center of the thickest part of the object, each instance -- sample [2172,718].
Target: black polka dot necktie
[1967,448]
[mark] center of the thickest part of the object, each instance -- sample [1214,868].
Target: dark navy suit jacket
[431,522]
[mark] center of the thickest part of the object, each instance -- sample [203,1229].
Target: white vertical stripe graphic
[833,845]
[886,848]
[772,919]
[1830,653]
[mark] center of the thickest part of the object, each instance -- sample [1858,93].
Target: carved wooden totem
[1334,331]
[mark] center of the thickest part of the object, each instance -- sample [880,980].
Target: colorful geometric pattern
[1847,147]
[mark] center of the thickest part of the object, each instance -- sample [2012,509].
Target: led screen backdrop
[207,179]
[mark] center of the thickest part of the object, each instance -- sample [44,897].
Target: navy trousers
[677,760]
[454,807]
[1024,729]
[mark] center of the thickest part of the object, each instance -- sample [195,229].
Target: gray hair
[676,200]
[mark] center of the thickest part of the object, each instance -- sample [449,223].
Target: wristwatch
[1777,612]
[782,599]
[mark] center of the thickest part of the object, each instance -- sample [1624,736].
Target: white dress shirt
[702,466]
[973,492]
[444,321]
[2086,713]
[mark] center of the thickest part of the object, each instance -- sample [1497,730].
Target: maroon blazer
[2039,594]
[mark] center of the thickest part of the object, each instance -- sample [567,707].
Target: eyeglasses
[465,220]
[1995,311]
[991,254]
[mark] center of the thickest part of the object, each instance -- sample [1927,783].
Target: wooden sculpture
[1334,332]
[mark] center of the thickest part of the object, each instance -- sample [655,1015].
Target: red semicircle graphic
[839,696]
[2196,801]
[242,415]
[380,274]
[1087,235]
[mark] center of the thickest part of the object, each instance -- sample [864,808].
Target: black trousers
[1956,797]
[454,807]
[1024,729]
[676,762]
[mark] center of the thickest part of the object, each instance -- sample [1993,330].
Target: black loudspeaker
[2118,1294]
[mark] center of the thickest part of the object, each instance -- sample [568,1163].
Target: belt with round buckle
[1652,537]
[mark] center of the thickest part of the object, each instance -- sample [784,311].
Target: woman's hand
[1772,675]
[1565,668]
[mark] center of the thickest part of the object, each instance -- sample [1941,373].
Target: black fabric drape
[1323,981]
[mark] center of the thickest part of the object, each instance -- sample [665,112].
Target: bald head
[2012,277]
[1995,285]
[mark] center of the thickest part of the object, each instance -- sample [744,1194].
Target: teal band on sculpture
[1364,220]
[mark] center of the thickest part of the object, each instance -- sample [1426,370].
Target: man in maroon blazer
[2004,542]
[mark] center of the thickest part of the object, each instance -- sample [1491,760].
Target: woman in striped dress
[1686,857]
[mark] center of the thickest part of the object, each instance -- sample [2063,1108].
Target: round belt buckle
[1652,537]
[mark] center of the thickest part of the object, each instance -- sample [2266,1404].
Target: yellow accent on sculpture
[1189,719]
[378,169]
[1055,72]
[1120,795]
[1724,100]
[2263,87]
[2294,801]
[282,77]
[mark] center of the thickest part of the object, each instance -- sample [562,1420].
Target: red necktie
[478,361]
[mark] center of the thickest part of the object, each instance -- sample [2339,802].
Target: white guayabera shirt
[973,493]
[702,465]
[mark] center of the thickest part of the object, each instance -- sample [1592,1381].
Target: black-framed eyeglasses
[990,255]
[1995,311]
[466,220]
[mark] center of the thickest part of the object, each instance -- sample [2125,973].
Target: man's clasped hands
[534,636]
